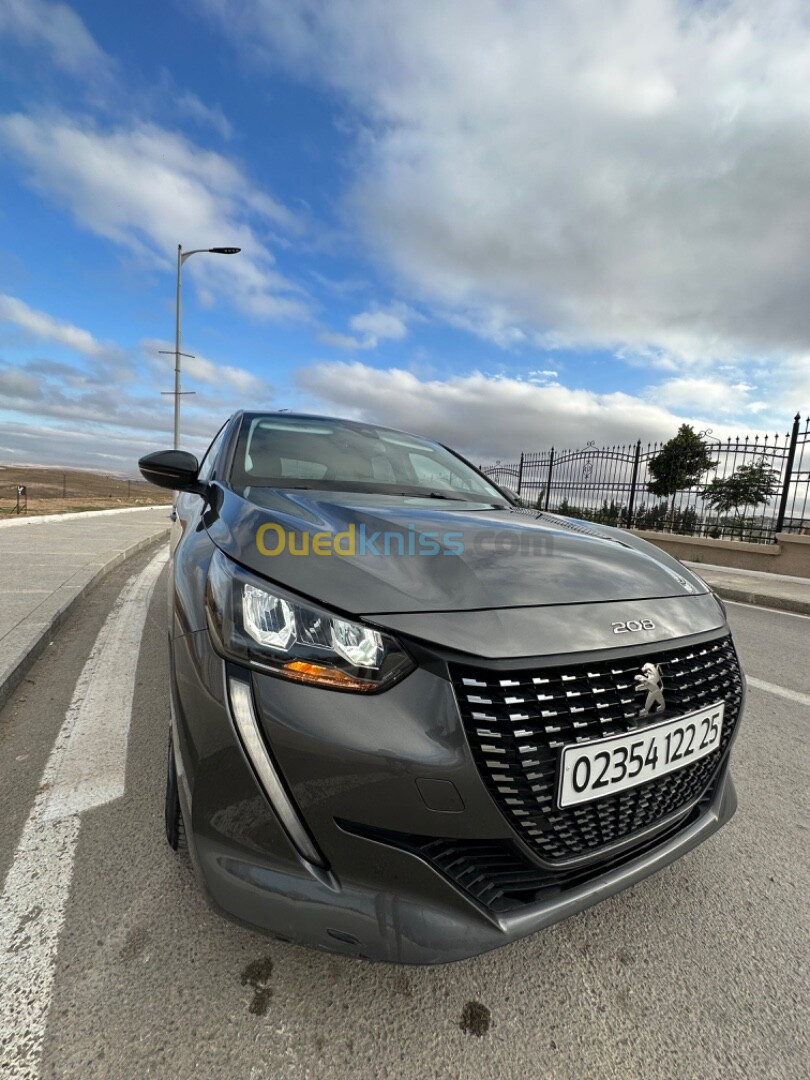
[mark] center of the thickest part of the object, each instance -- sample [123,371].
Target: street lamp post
[181,258]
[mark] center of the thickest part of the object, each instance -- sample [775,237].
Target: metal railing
[610,485]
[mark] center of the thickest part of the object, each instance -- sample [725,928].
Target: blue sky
[502,224]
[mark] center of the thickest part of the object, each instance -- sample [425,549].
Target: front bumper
[374,763]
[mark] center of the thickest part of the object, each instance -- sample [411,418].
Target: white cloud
[45,327]
[146,188]
[492,322]
[372,327]
[108,395]
[190,106]
[711,395]
[342,341]
[379,325]
[228,379]
[629,173]
[81,416]
[115,451]
[491,418]
[56,29]
[65,393]
[788,385]
[15,383]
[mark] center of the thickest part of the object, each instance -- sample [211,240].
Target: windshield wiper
[425,495]
[451,498]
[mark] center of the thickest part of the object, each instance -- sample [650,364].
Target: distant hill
[52,490]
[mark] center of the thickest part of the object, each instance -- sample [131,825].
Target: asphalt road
[111,965]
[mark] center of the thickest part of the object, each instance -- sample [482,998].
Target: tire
[175,829]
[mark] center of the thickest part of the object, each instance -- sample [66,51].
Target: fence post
[794,437]
[633,480]
[520,473]
[548,481]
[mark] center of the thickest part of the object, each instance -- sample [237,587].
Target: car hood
[487,558]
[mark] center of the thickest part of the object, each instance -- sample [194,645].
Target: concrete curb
[34,633]
[74,515]
[778,603]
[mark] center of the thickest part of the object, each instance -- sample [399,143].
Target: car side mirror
[173,469]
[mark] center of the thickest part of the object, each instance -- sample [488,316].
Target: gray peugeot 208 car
[413,720]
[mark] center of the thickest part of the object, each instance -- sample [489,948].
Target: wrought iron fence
[610,485]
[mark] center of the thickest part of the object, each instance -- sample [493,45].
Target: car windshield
[340,455]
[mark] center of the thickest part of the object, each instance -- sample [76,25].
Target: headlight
[256,623]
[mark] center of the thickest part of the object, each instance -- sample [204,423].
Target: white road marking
[780,691]
[92,769]
[85,769]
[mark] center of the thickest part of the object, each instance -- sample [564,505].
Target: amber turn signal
[325,676]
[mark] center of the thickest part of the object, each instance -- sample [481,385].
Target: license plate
[592,770]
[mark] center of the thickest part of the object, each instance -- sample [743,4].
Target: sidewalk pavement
[754,587]
[47,563]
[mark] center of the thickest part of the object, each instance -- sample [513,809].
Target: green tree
[651,517]
[610,513]
[749,485]
[685,521]
[680,463]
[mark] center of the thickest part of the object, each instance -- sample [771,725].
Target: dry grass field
[56,491]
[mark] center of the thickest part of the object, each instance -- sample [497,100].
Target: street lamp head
[181,258]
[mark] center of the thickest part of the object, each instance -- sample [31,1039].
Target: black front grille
[517,722]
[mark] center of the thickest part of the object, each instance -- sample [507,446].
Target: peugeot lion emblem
[650,680]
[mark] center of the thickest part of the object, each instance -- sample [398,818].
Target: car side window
[207,463]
